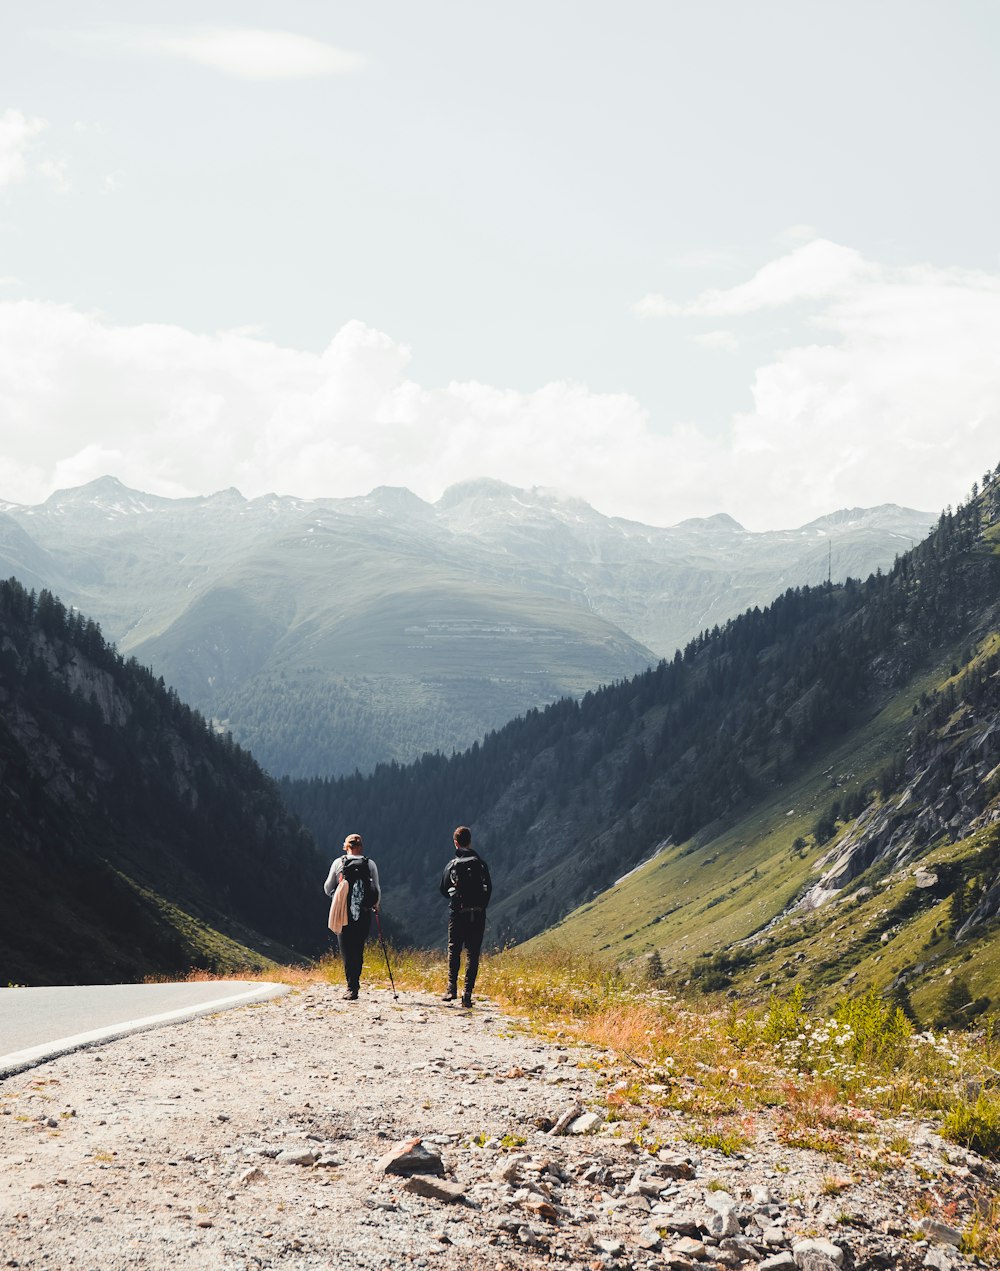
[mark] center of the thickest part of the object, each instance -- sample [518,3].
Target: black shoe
[466,999]
[351,995]
[451,994]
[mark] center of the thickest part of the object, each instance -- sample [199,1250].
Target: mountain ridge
[594,599]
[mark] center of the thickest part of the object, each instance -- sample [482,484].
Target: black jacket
[448,879]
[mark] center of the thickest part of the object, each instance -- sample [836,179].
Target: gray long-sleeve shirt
[337,868]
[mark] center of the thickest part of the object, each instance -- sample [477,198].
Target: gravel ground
[258,1137]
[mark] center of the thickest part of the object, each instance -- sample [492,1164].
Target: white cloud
[242,51]
[901,403]
[799,234]
[654,305]
[891,395]
[811,272]
[173,412]
[17,131]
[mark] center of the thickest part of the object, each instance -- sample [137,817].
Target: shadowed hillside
[134,839]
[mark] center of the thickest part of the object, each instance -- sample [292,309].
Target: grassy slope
[118,928]
[703,896]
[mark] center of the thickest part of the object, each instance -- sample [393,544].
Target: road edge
[21,1060]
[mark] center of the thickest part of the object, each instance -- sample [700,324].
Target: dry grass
[834,1079]
[981,1237]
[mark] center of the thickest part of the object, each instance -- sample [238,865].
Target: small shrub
[729,1141]
[817,1104]
[880,1030]
[975,1125]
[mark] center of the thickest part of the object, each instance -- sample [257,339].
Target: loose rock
[434,1188]
[411,1156]
[817,1255]
[939,1231]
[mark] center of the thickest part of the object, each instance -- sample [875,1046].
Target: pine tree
[958,909]
[952,1012]
[899,997]
[655,972]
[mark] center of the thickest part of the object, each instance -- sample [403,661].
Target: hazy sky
[675,258]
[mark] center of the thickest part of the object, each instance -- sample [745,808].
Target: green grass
[976,1125]
[205,945]
[703,905]
[727,1140]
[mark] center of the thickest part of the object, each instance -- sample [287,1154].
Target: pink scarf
[338,908]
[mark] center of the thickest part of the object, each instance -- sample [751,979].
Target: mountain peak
[104,494]
[886,516]
[223,498]
[101,487]
[397,498]
[720,521]
[477,488]
[488,494]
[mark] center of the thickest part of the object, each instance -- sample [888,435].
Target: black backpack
[358,875]
[468,878]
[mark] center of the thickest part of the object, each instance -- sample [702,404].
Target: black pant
[352,948]
[465,930]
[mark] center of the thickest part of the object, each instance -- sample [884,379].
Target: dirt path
[252,1139]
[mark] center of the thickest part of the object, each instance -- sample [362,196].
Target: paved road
[38,1024]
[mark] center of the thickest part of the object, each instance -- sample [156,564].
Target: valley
[754,813]
[757,812]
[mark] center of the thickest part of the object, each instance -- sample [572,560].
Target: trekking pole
[378,923]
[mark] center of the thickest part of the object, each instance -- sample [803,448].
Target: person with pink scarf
[353,884]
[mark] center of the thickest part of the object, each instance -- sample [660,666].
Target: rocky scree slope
[943,789]
[134,839]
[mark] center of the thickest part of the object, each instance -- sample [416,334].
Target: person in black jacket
[467,884]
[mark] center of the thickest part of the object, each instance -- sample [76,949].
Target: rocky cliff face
[948,790]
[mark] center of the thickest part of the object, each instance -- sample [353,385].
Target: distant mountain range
[332,634]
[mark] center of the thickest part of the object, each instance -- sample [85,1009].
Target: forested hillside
[566,800]
[134,839]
